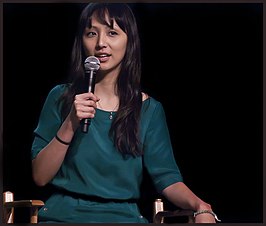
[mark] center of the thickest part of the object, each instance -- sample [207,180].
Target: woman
[97,175]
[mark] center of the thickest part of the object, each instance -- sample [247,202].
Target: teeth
[103,55]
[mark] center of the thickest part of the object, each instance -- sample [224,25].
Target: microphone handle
[91,77]
[91,85]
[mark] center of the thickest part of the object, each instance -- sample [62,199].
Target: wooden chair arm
[24,203]
[159,217]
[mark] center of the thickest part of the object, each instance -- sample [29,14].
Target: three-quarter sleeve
[158,153]
[49,121]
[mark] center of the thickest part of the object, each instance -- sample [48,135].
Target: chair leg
[34,215]
[8,216]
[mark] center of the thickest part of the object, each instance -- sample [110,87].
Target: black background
[202,61]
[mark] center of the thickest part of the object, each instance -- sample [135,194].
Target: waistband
[94,198]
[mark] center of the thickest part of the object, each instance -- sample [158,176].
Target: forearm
[180,195]
[49,160]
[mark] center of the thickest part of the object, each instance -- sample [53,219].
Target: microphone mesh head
[91,63]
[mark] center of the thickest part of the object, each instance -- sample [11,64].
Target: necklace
[111,112]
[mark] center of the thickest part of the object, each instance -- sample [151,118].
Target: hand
[205,214]
[205,218]
[83,107]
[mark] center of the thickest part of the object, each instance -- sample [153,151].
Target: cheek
[88,47]
[122,48]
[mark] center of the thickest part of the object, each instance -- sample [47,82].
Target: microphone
[91,65]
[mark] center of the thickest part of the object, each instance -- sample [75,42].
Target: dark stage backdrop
[203,61]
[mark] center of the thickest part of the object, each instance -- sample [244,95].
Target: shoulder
[58,90]
[150,103]
[150,99]
[55,93]
[152,112]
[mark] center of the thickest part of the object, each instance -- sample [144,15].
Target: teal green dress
[94,168]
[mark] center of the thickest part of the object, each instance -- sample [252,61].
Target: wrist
[62,141]
[206,211]
[203,206]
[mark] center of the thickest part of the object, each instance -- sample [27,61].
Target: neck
[109,101]
[108,105]
[105,89]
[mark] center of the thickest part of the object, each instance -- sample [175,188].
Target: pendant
[111,115]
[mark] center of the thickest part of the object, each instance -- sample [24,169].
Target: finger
[79,102]
[85,112]
[87,96]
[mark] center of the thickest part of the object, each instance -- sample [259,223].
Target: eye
[91,34]
[113,33]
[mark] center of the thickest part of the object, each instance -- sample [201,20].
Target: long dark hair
[125,126]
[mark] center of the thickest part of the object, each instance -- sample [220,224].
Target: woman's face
[107,43]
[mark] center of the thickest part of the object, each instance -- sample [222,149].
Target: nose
[102,41]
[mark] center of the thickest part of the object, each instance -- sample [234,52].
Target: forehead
[101,17]
[106,20]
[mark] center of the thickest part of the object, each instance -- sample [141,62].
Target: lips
[103,56]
